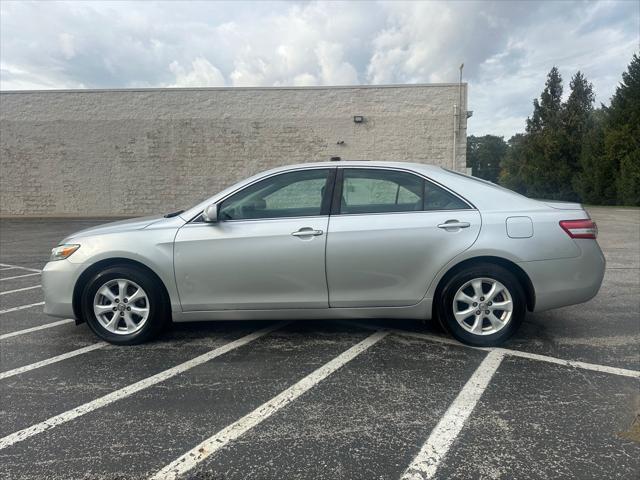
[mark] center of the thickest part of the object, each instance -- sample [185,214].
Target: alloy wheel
[121,306]
[482,306]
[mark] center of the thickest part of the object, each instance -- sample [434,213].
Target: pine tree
[577,118]
[622,135]
[546,112]
[544,170]
[511,167]
[548,156]
[594,181]
[484,156]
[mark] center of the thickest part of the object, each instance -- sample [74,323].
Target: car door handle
[454,224]
[307,232]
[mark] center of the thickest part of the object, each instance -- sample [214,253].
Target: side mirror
[210,214]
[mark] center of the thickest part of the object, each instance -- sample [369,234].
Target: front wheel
[482,305]
[124,305]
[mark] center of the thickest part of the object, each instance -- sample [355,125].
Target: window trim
[337,193]
[336,189]
[339,184]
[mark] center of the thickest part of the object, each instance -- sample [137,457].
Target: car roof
[361,163]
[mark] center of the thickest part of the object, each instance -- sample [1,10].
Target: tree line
[570,150]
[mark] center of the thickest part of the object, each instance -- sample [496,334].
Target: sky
[507,47]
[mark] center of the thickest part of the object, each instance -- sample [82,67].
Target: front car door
[267,251]
[386,238]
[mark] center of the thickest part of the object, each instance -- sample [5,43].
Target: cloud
[507,47]
[305,80]
[202,74]
[334,70]
[67,45]
[13,77]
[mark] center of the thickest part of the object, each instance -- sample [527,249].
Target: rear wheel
[124,305]
[483,305]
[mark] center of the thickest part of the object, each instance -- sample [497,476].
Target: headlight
[63,251]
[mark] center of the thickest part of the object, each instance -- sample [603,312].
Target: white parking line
[212,444]
[425,464]
[21,307]
[20,290]
[625,372]
[49,361]
[573,363]
[8,267]
[35,329]
[19,276]
[116,395]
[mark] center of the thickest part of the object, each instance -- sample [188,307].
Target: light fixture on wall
[358,119]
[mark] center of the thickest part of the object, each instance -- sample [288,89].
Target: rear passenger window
[380,191]
[388,191]
[436,198]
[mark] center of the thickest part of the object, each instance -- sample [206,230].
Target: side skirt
[421,310]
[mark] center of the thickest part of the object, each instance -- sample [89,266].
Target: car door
[266,251]
[388,236]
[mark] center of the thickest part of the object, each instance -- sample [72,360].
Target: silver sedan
[333,240]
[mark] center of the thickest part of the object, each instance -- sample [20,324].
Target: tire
[460,295]
[118,320]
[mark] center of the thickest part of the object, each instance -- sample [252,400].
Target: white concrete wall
[127,152]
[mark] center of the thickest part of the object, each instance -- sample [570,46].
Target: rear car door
[388,236]
[266,251]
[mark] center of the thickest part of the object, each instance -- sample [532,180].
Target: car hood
[115,227]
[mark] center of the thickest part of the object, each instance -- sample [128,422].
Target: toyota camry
[349,239]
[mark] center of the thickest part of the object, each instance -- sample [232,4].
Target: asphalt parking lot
[330,400]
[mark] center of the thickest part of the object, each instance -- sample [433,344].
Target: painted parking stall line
[22,282]
[37,395]
[425,464]
[540,420]
[6,266]
[625,372]
[19,276]
[129,390]
[21,319]
[49,361]
[35,329]
[365,421]
[200,452]
[21,307]
[20,289]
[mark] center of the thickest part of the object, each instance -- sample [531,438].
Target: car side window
[437,198]
[380,191]
[292,194]
[388,191]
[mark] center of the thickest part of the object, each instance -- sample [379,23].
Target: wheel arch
[520,274]
[101,265]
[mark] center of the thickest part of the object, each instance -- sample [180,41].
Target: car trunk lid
[562,205]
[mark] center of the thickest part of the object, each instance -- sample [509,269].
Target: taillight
[580,228]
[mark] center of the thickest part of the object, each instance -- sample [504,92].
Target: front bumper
[567,281]
[58,281]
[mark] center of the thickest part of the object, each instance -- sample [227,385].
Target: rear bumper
[567,281]
[58,280]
